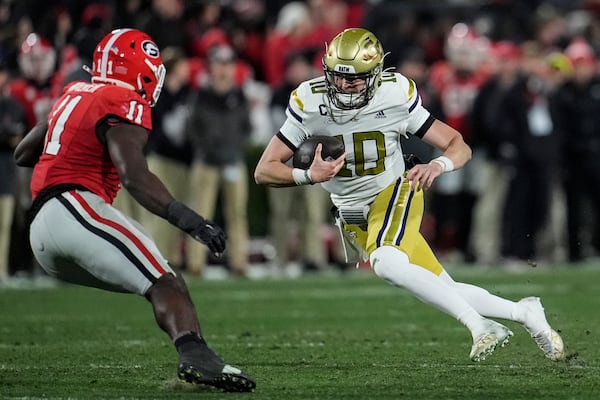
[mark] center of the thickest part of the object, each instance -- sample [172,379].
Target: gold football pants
[394,219]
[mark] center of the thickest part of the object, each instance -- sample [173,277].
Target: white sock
[484,302]
[393,265]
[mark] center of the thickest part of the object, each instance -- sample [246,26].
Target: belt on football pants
[50,193]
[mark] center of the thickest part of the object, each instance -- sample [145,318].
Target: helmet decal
[150,49]
[103,68]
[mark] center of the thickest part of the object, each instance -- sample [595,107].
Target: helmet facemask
[350,101]
[351,55]
[159,77]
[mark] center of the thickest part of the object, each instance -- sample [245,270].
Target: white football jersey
[371,134]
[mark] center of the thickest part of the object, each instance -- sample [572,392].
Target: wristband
[302,176]
[446,163]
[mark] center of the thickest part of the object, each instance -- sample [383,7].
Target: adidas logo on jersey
[380,114]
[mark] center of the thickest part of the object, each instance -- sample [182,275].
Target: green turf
[347,337]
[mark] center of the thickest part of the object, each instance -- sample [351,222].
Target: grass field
[322,337]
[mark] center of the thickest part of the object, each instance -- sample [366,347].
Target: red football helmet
[130,58]
[37,58]
[465,49]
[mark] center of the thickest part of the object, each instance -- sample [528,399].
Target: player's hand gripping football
[421,176]
[322,170]
[197,227]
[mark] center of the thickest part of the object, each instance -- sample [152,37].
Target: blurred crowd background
[519,79]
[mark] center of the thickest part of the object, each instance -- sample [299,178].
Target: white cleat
[495,335]
[548,340]
[551,344]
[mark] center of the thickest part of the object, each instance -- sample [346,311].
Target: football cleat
[494,335]
[228,378]
[205,367]
[548,340]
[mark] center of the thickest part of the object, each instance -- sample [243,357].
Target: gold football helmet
[353,54]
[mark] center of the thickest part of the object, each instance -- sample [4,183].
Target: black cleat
[200,365]
[229,379]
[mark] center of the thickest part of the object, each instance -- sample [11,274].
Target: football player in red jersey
[35,90]
[91,144]
[457,81]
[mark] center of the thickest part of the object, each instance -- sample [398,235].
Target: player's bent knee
[166,283]
[387,261]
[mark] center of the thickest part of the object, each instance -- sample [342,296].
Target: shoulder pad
[126,105]
[399,87]
[306,99]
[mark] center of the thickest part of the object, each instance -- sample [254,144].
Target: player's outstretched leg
[175,314]
[492,335]
[199,364]
[528,311]
[393,265]
[534,321]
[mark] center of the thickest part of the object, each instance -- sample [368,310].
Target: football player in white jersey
[380,204]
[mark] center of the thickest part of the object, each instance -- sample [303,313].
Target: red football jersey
[36,101]
[456,94]
[73,153]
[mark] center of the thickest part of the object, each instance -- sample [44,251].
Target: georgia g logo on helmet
[150,49]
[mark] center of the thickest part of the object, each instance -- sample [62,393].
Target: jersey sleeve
[419,118]
[293,130]
[125,104]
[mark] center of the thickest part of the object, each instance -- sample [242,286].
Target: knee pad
[386,259]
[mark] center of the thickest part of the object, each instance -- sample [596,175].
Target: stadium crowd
[518,79]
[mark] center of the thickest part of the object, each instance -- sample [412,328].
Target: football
[304,155]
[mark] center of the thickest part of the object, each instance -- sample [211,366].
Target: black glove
[197,227]
[410,160]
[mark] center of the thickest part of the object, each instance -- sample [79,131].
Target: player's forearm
[149,192]
[458,152]
[450,142]
[274,173]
